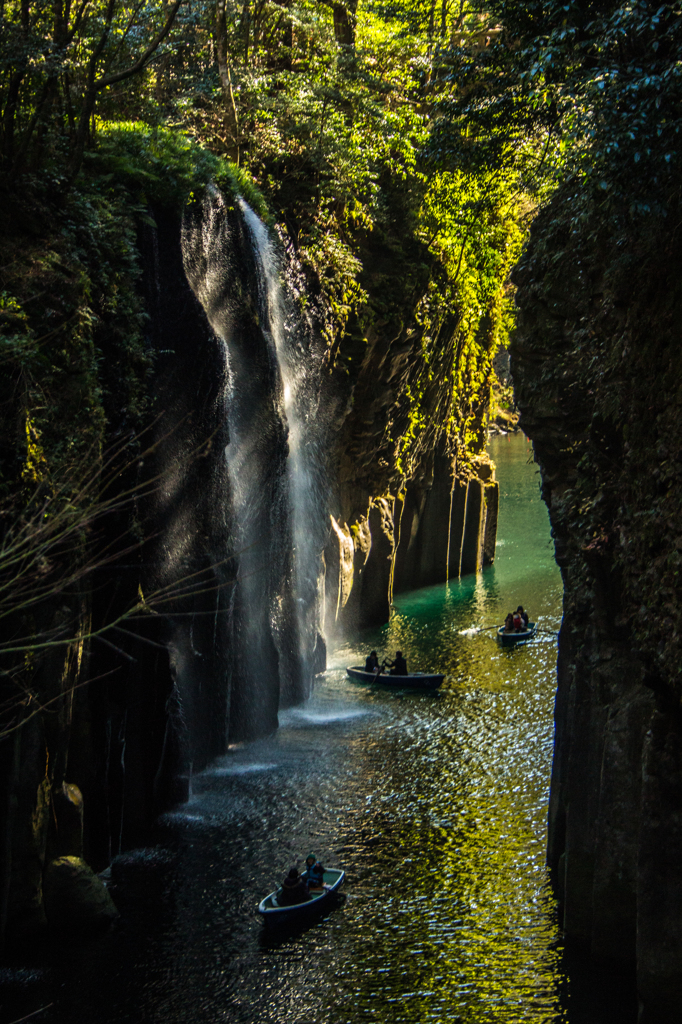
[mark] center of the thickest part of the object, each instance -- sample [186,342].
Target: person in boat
[399,666]
[294,889]
[524,616]
[518,622]
[371,662]
[509,623]
[314,872]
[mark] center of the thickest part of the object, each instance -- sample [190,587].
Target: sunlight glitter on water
[435,805]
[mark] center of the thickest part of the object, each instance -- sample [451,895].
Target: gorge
[259,265]
[251,552]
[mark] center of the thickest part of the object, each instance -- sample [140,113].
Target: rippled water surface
[434,804]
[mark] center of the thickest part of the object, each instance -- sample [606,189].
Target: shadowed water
[434,804]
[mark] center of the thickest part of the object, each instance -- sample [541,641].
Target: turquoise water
[432,623]
[435,805]
[467,778]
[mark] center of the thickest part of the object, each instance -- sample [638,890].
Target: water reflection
[435,806]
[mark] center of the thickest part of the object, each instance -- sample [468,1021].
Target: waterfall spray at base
[273,459]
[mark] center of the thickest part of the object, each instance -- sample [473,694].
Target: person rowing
[314,872]
[399,666]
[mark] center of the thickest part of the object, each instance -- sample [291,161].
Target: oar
[472,630]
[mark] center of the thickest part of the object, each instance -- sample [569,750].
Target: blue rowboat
[414,681]
[318,901]
[508,639]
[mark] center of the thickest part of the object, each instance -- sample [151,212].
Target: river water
[436,807]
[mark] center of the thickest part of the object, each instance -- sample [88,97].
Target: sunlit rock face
[435,527]
[596,367]
[410,483]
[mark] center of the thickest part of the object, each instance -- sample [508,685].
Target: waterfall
[300,397]
[273,460]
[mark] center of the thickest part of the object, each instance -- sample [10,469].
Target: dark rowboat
[415,681]
[317,903]
[515,638]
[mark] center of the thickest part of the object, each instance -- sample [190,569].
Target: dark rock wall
[597,365]
[169,686]
[89,778]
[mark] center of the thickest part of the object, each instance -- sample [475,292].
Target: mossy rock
[75,899]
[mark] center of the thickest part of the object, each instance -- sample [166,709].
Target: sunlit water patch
[435,805]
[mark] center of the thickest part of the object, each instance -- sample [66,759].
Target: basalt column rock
[659,871]
[423,528]
[375,596]
[597,368]
[445,526]
[474,527]
[480,521]
[491,498]
[436,528]
[339,560]
[352,547]
[409,510]
[28,839]
[458,505]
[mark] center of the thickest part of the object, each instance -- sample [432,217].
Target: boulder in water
[75,899]
[143,872]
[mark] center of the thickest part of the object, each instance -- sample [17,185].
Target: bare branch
[141,63]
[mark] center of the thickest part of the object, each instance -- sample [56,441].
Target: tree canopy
[445,123]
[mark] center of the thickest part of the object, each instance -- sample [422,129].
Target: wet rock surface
[76,900]
[596,365]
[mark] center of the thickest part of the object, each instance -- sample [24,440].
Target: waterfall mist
[273,456]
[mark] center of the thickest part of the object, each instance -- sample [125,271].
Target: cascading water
[274,502]
[300,399]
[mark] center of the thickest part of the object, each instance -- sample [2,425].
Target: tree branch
[142,61]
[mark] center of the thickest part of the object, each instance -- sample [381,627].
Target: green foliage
[338,114]
[71,332]
[601,83]
[163,166]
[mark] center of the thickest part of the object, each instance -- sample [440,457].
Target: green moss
[161,165]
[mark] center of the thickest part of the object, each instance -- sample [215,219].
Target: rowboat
[515,638]
[316,903]
[415,681]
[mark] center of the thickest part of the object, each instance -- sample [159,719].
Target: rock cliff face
[225,632]
[413,494]
[437,527]
[597,366]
